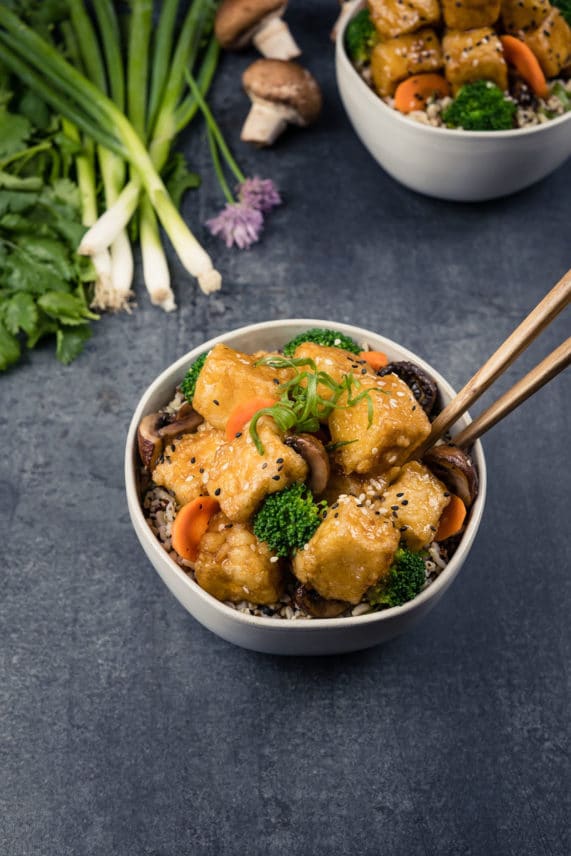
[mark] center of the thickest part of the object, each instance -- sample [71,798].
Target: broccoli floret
[188,384]
[360,37]
[404,580]
[286,520]
[329,338]
[481,106]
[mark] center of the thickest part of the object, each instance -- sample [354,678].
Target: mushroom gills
[455,468]
[316,605]
[313,452]
[274,40]
[266,121]
[423,387]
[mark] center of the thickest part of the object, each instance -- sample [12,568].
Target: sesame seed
[394,508]
[264,466]
[217,403]
[238,434]
[276,478]
[193,460]
[404,502]
[400,494]
[279,460]
[217,492]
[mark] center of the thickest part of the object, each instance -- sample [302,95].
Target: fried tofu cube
[396,59]
[233,565]
[415,502]
[230,377]
[186,460]
[524,14]
[471,55]
[397,427]
[397,17]
[240,478]
[551,43]
[333,361]
[469,14]
[350,551]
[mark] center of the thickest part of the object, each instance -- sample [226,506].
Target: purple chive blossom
[259,193]
[237,224]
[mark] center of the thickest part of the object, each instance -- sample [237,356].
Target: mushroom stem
[264,123]
[274,40]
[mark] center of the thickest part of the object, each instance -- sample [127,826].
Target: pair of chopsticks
[529,329]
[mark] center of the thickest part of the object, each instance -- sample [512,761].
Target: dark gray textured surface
[127,728]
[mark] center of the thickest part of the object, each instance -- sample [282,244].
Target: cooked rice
[160,508]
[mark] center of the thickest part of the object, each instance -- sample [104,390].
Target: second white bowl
[464,166]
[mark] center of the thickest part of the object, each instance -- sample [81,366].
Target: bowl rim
[144,533]
[450,133]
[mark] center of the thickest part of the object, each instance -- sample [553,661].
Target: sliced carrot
[413,93]
[452,519]
[376,359]
[521,56]
[243,412]
[190,524]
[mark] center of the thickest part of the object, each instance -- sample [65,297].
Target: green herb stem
[138,63]
[111,39]
[214,128]
[218,166]
[161,59]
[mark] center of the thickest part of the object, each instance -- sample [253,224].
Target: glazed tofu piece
[415,502]
[551,43]
[471,55]
[350,551]
[341,483]
[240,477]
[524,14]
[397,17]
[396,59]
[335,362]
[185,462]
[229,377]
[469,14]
[398,426]
[233,565]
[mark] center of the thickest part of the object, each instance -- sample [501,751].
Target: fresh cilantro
[178,178]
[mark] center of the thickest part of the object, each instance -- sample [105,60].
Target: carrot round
[452,519]
[190,524]
[376,359]
[243,412]
[413,93]
[521,56]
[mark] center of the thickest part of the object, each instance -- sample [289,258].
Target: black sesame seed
[217,403]
[201,470]
[363,371]
[404,502]
[238,434]
[275,380]
[193,460]
[336,514]
[446,493]
[403,528]
[279,460]
[173,447]
[400,494]
[217,492]
[276,478]
[394,507]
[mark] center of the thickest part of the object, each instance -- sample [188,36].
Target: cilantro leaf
[20,313]
[9,348]
[178,178]
[65,308]
[70,342]
[15,131]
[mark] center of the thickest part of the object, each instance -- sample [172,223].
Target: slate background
[129,729]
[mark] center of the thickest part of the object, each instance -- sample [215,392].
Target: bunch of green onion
[126,115]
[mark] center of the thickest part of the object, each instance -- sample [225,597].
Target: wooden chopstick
[547,369]
[516,343]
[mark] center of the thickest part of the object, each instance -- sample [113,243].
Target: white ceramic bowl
[465,166]
[270,635]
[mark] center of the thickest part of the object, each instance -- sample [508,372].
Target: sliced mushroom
[281,93]
[313,452]
[455,468]
[149,441]
[318,606]
[240,22]
[186,421]
[423,387]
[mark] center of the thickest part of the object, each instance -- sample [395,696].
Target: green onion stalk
[105,296]
[168,112]
[40,66]
[111,166]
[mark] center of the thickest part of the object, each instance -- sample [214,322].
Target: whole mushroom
[282,93]
[456,469]
[241,22]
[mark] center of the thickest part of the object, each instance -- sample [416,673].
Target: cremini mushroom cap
[236,18]
[286,84]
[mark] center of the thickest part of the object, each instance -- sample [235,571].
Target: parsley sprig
[301,407]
